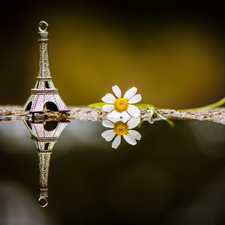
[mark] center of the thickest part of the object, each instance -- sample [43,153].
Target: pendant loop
[40,24]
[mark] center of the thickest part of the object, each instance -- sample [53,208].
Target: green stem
[162,117]
[207,107]
[145,105]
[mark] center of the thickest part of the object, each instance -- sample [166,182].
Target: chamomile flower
[121,128]
[121,107]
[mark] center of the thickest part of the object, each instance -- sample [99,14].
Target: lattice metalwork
[44,95]
[45,135]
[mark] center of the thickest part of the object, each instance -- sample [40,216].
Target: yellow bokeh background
[174,63]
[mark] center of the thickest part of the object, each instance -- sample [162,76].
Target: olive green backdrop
[172,52]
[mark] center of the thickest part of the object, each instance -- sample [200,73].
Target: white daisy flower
[121,128]
[121,107]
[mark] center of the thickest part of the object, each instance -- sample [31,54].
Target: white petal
[114,120]
[114,114]
[107,123]
[135,134]
[133,111]
[125,115]
[116,142]
[108,135]
[108,98]
[135,99]
[125,119]
[107,108]
[130,93]
[129,139]
[116,91]
[133,122]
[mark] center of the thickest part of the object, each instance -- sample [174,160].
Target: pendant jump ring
[39,26]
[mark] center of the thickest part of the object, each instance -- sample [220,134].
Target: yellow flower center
[120,128]
[121,104]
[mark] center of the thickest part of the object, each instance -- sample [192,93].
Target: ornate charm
[44,96]
[45,135]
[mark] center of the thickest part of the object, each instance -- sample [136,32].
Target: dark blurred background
[172,52]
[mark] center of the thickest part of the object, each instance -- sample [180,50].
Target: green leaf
[143,105]
[98,104]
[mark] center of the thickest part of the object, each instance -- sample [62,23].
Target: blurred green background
[172,52]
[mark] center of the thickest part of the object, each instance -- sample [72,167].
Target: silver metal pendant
[44,96]
[45,135]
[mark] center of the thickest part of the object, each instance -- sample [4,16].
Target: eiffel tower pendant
[45,135]
[44,96]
